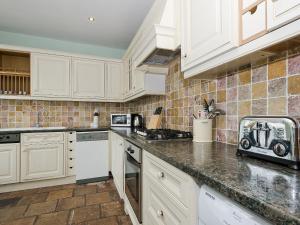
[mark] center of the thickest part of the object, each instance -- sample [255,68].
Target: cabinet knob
[71,141]
[71,167]
[71,150]
[160,213]
[71,158]
[161,175]
[185,56]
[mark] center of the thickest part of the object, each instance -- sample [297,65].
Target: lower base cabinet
[117,162]
[9,163]
[42,161]
[169,195]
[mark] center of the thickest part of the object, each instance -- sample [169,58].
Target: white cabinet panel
[9,163]
[281,12]
[88,78]
[114,81]
[42,161]
[117,162]
[50,75]
[209,29]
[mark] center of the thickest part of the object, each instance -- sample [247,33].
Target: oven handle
[133,161]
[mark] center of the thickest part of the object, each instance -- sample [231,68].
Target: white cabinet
[9,163]
[114,81]
[42,158]
[169,195]
[117,162]
[88,78]
[50,75]
[209,28]
[281,12]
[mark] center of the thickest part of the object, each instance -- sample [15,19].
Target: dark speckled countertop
[268,189]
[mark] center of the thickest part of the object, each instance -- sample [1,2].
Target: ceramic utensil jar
[202,130]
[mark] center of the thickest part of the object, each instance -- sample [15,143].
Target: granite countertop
[52,129]
[268,189]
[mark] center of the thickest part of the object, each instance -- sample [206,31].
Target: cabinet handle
[71,141]
[253,10]
[71,150]
[71,167]
[71,158]
[160,213]
[161,175]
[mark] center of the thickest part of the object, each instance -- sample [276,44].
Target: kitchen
[151,114]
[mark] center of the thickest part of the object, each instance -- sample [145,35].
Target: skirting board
[37,184]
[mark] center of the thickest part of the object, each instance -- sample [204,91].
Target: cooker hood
[158,40]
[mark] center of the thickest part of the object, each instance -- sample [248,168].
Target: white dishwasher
[91,156]
[216,209]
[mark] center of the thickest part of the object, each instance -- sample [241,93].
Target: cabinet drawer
[158,209]
[42,138]
[168,178]
[254,23]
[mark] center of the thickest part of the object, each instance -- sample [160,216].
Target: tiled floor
[91,204]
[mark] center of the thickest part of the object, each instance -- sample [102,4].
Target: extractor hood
[157,41]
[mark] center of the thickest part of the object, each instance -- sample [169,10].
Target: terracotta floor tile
[65,193]
[57,218]
[98,198]
[12,213]
[106,186]
[23,221]
[41,208]
[124,220]
[33,198]
[85,189]
[104,221]
[112,209]
[9,202]
[70,203]
[83,214]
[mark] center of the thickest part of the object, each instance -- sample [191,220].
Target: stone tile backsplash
[271,88]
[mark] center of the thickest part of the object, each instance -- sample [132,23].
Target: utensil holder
[202,130]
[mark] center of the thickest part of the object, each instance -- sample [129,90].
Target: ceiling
[116,21]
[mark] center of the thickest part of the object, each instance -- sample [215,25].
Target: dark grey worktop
[268,189]
[67,129]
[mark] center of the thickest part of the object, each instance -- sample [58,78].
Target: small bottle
[95,120]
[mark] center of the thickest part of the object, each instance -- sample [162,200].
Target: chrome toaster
[271,138]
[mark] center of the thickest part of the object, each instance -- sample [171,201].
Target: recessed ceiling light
[91,19]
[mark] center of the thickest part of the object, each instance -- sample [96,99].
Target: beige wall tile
[244,108]
[259,90]
[294,85]
[245,77]
[277,69]
[277,106]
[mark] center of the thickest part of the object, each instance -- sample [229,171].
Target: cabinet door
[9,163]
[281,12]
[114,81]
[117,164]
[42,161]
[138,77]
[50,75]
[209,29]
[88,78]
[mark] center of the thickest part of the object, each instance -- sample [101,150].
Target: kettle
[137,121]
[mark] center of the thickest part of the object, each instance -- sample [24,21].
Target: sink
[32,128]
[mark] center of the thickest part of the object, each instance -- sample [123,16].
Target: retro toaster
[271,138]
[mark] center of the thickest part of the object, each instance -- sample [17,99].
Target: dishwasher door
[216,209]
[91,156]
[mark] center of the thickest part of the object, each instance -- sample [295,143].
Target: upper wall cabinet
[114,81]
[281,12]
[209,28]
[50,75]
[88,78]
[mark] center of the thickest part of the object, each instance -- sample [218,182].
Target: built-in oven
[121,120]
[133,178]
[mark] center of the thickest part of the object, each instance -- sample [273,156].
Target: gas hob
[164,134]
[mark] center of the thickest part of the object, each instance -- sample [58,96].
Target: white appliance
[216,209]
[91,156]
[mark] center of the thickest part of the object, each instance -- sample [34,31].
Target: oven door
[133,185]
